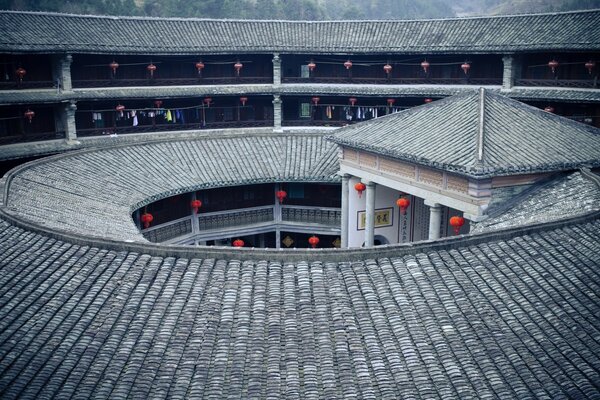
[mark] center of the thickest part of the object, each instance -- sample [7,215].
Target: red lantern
[21,72]
[315,100]
[151,68]
[158,103]
[387,68]
[352,100]
[243,100]
[147,219]
[113,66]
[313,241]
[238,243]
[403,203]
[428,100]
[553,64]
[391,102]
[360,187]
[425,65]
[199,67]
[207,101]
[196,204]
[465,67]
[29,115]
[457,222]
[590,66]
[238,67]
[281,194]
[312,66]
[348,64]
[549,109]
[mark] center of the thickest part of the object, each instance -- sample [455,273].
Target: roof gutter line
[481,126]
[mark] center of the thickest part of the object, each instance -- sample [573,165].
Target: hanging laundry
[135,118]
[168,117]
[328,112]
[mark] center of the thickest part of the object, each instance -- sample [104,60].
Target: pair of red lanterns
[147,218]
[313,241]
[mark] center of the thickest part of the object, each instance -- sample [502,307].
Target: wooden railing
[11,85]
[397,81]
[567,83]
[33,137]
[312,215]
[90,83]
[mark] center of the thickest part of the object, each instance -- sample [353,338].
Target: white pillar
[345,208]
[69,122]
[510,71]
[61,72]
[276,69]
[435,220]
[370,215]
[277,113]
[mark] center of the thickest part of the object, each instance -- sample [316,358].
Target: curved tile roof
[516,318]
[94,192]
[515,138]
[55,33]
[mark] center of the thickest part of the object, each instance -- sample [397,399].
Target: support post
[276,69]
[345,209]
[69,122]
[277,113]
[62,72]
[370,215]
[510,71]
[435,220]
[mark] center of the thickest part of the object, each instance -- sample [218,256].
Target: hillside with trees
[300,9]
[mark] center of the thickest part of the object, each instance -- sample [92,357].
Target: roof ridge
[237,20]
[481,126]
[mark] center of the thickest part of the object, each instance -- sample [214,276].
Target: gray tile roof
[94,192]
[55,33]
[517,138]
[562,197]
[516,318]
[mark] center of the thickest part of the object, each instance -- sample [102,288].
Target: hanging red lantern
[158,103]
[281,194]
[21,72]
[315,100]
[238,243]
[243,100]
[457,222]
[196,204]
[313,241]
[151,68]
[29,115]
[207,101]
[403,203]
[147,219]
[428,100]
[387,68]
[590,66]
[360,187]
[312,66]
[425,65]
[352,100]
[549,109]
[238,67]
[113,66]
[391,102]
[465,67]
[553,64]
[348,64]
[199,67]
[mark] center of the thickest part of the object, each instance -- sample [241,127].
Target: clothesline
[168,108]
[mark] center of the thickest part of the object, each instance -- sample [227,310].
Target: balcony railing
[244,218]
[169,230]
[312,215]
[235,218]
[568,83]
[91,83]
[397,81]
[11,85]
[171,127]
[33,137]
[308,122]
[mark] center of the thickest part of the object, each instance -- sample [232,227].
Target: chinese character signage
[383,217]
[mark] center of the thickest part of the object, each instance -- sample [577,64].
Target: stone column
[276,69]
[195,222]
[69,122]
[435,220]
[277,113]
[62,72]
[510,72]
[345,208]
[370,215]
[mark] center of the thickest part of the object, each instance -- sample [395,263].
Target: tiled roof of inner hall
[479,134]
[55,33]
[94,192]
